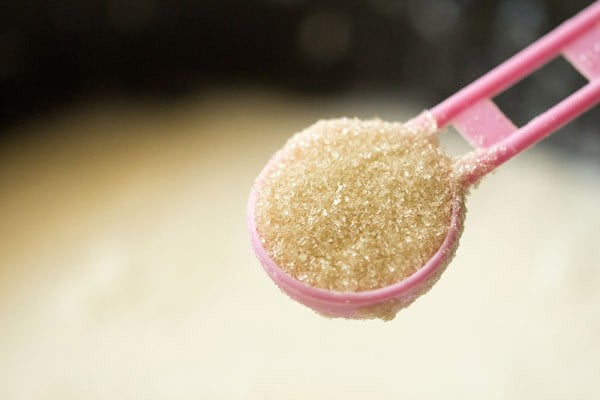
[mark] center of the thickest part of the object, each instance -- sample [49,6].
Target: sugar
[352,205]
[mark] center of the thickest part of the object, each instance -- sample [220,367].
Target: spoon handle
[484,125]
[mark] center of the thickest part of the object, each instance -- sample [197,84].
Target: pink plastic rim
[348,304]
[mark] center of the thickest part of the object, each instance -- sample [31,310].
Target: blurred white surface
[126,271]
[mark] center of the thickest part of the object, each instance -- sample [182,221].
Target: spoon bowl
[364,304]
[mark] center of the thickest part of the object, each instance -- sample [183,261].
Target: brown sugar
[353,205]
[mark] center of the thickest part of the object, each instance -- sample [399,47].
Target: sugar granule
[353,205]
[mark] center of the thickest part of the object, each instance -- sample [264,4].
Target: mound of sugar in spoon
[354,205]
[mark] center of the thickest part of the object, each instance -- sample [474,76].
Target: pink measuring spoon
[495,140]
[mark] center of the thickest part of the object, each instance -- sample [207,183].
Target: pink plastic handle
[482,123]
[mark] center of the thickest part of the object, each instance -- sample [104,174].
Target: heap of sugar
[352,205]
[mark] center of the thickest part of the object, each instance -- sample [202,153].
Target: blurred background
[131,132]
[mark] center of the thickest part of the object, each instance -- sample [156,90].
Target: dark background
[55,53]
